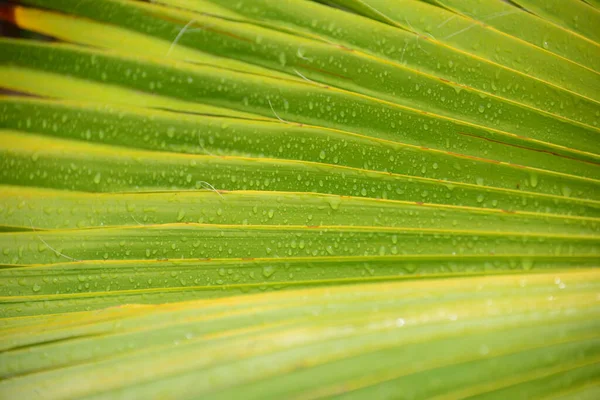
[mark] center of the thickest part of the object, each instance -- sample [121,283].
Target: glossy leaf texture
[300,199]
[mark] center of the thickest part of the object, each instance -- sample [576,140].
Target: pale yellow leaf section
[84,31]
[62,87]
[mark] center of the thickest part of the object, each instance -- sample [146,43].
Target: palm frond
[291,199]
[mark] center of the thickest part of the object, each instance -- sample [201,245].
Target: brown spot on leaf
[528,148]
[7,13]
[324,72]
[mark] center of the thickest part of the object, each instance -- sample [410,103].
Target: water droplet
[334,202]
[268,271]
[527,264]
[282,59]
[533,179]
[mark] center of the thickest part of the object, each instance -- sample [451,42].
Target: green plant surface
[593,3]
[208,135]
[466,34]
[413,51]
[571,14]
[42,209]
[68,27]
[101,168]
[301,102]
[527,26]
[485,75]
[351,70]
[303,58]
[266,199]
[66,278]
[209,241]
[319,344]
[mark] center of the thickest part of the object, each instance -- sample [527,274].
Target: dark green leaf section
[571,14]
[358,341]
[468,35]
[287,100]
[86,285]
[219,241]
[32,208]
[118,276]
[97,168]
[594,3]
[204,135]
[416,52]
[524,25]
[351,70]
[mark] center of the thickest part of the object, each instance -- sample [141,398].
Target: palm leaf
[288,199]
[546,34]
